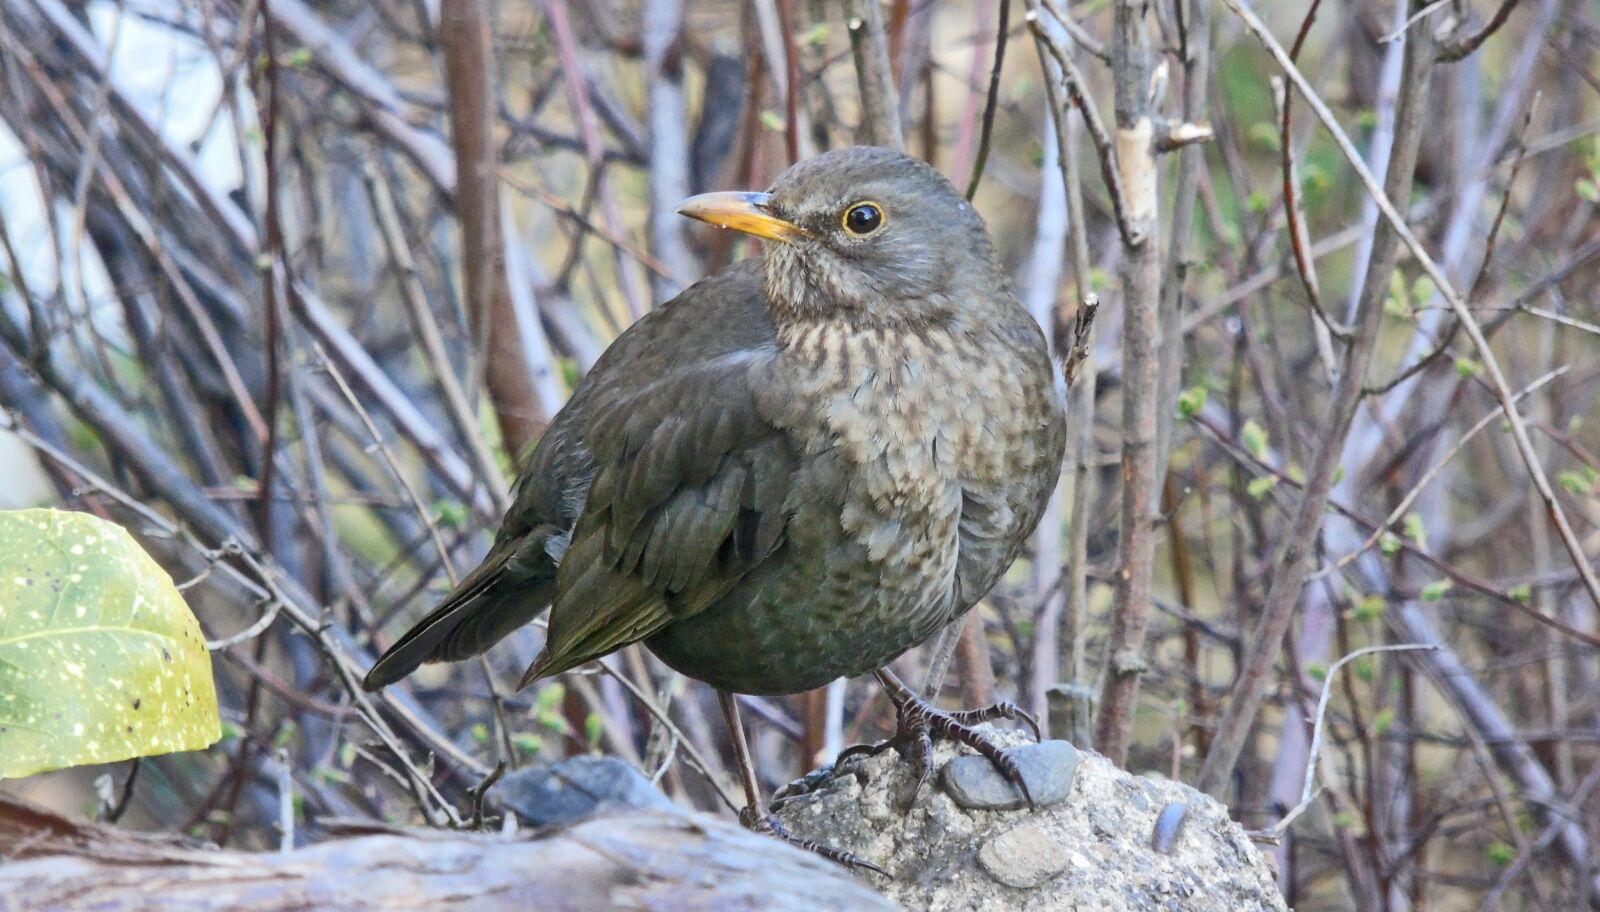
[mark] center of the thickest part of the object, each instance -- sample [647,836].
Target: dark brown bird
[794,471]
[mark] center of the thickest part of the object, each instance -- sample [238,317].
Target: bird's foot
[920,722]
[768,823]
[817,779]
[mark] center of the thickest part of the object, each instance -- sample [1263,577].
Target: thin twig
[383,448]
[426,326]
[1105,150]
[993,100]
[1078,371]
[1452,51]
[276,274]
[697,760]
[1080,36]
[1433,472]
[285,801]
[1310,790]
[1299,241]
[1411,20]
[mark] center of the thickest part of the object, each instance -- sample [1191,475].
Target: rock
[1047,768]
[1091,851]
[575,789]
[1023,856]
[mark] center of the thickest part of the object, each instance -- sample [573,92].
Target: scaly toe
[953,730]
[1002,710]
[922,760]
[772,826]
[920,721]
[860,750]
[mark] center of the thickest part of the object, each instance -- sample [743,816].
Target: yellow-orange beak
[747,212]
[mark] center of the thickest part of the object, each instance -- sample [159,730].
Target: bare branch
[1134,69]
[1311,790]
[464,33]
[1078,94]
[880,102]
[1455,50]
[993,100]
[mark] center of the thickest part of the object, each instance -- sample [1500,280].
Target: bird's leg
[920,722]
[755,815]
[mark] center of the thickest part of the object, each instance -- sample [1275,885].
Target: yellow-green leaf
[1416,530]
[100,659]
[1575,483]
[1422,290]
[1389,544]
[1191,401]
[1371,608]
[1254,438]
[1383,721]
[1265,135]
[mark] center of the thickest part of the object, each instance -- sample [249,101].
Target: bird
[799,468]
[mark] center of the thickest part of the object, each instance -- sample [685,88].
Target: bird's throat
[790,285]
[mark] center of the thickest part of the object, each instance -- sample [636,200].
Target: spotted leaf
[100,658]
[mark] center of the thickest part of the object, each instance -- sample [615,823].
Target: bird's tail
[488,605]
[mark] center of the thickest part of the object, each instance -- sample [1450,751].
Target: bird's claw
[805,785]
[768,823]
[920,722]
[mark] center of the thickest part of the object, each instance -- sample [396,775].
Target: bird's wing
[516,579]
[507,590]
[687,498]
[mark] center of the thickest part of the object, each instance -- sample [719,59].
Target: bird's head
[863,234]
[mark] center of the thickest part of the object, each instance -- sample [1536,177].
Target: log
[656,861]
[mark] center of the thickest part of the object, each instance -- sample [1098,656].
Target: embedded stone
[1024,856]
[1047,768]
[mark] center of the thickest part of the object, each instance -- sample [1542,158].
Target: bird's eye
[863,219]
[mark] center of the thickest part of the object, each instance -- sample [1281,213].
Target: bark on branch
[645,861]
[1132,68]
[466,36]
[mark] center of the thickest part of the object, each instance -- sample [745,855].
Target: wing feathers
[656,489]
[688,497]
[478,613]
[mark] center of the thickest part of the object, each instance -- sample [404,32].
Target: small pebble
[1047,768]
[1024,856]
[1168,825]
